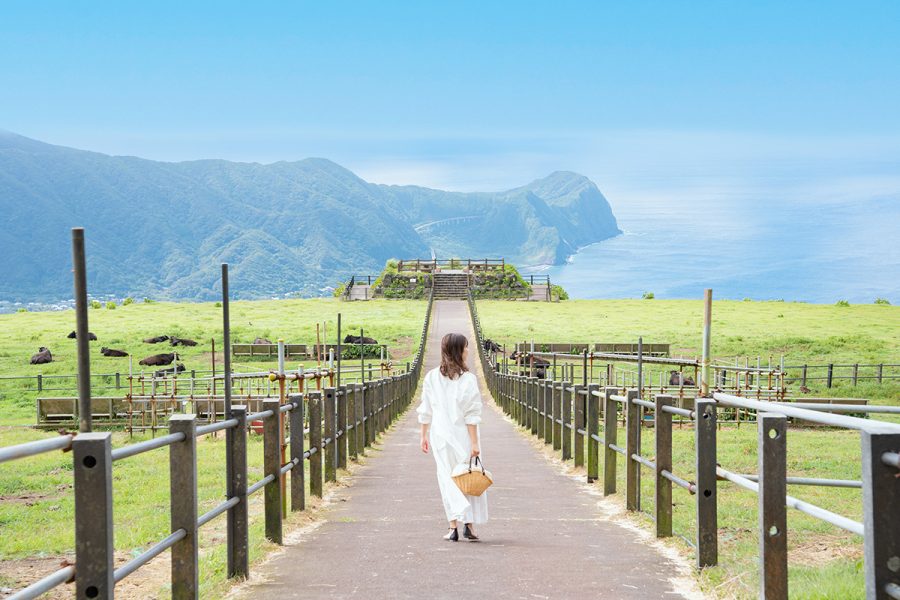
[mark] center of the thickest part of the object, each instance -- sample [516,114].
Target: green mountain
[161,229]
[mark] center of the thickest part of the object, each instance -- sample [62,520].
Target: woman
[450,413]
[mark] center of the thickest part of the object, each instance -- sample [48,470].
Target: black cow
[523,359]
[113,353]
[355,339]
[159,359]
[491,346]
[261,340]
[181,341]
[91,337]
[178,368]
[680,379]
[156,340]
[42,357]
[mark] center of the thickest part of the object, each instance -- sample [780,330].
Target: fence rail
[326,427]
[568,415]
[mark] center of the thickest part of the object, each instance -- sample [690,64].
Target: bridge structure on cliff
[550,534]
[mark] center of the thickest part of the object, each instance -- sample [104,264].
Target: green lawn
[825,562]
[803,333]
[36,494]
[396,323]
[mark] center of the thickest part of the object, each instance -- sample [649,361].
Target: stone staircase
[451,286]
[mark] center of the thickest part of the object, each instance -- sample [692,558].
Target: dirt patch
[16,574]
[403,346]
[824,549]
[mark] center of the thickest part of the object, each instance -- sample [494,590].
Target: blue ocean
[779,239]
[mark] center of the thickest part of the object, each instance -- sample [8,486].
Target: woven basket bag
[471,479]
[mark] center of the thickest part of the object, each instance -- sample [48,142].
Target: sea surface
[764,240]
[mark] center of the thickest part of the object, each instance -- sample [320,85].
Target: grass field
[803,333]
[396,323]
[36,494]
[825,562]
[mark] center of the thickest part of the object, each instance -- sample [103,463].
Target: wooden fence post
[579,402]
[353,420]
[566,400]
[183,500]
[663,436]
[632,447]
[610,438]
[533,416]
[238,515]
[298,480]
[707,518]
[330,432]
[772,469]
[94,551]
[593,431]
[881,522]
[315,444]
[341,432]
[272,466]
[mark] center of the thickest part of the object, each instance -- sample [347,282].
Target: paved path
[545,539]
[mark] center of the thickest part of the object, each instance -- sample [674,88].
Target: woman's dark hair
[452,346]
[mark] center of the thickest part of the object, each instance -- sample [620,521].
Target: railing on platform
[326,427]
[567,415]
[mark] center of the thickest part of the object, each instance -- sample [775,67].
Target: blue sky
[466,95]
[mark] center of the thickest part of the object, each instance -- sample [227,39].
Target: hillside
[161,229]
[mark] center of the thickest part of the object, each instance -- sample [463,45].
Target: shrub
[842,303]
[748,300]
[339,290]
[558,292]
[882,301]
[96,304]
[127,301]
[148,301]
[111,305]
[218,305]
[23,309]
[648,296]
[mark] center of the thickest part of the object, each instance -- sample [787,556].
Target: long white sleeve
[471,404]
[424,408]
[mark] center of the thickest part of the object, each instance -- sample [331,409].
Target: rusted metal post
[94,551]
[272,467]
[610,438]
[707,327]
[707,518]
[298,480]
[632,448]
[183,499]
[315,444]
[772,465]
[81,330]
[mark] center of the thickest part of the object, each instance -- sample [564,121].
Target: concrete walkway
[546,537]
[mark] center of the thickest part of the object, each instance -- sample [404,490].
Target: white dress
[449,405]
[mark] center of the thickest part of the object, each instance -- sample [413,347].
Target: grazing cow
[355,339]
[114,353]
[680,379]
[491,346]
[181,341]
[91,337]
[261,340]
[178,368]
[156,340]
[159,359]
[42,357]
[524,359]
